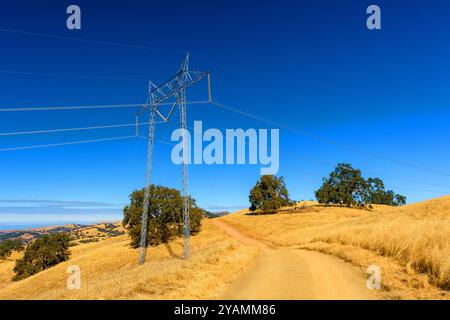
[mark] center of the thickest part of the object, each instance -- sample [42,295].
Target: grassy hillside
[109,270]
[411,243]
[6,269]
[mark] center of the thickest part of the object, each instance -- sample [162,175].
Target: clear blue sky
[311,65]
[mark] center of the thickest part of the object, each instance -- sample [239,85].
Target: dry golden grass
[109,270]
[6,269]
[411,244]
[416,238]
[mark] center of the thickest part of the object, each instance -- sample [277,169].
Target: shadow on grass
[171,252]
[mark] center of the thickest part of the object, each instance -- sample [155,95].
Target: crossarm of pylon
[180,81]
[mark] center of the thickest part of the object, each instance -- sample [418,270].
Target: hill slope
[411,243]
[109,270]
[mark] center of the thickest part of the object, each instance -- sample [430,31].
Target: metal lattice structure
[174,88]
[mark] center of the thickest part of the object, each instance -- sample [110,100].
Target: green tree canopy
[269,194]
[346,186]
[167,205]
[42,254]
[8,246]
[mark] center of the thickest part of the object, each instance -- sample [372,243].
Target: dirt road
[295,274]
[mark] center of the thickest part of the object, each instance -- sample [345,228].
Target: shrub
[42,254]
[8,246]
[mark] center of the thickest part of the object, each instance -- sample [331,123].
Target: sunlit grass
[109,270]
[415,236]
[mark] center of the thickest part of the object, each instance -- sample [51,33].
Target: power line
[329,141]
[163,142]
[66,143]
[73,129]
[146,123]
[111,43]
[173,143]
[110,106]
[314,160]
[325,162]
[315,176]
[69,75]
[387,187]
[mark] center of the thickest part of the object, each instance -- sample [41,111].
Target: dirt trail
[295,274]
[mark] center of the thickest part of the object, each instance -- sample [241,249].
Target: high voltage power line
[109,43]
[388,187]
[87,107]
[329,163]
[327,140]
[40,146]
[220,105]
[110,106]
[62,75]
[18,133]
[171,143]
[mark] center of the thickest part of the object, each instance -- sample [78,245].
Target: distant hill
[212,215]
[78,233]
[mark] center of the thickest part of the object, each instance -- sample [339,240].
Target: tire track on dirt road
[294,274]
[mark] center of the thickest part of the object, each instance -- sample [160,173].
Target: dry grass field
[109,270]
[6,269]
[410,243]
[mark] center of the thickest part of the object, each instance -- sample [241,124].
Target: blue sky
[311,65]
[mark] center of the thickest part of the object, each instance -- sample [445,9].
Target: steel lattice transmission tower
[173,89]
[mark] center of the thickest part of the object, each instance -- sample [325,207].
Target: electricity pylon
[174,88]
